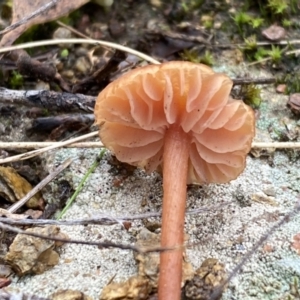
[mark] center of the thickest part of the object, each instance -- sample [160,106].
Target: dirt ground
[238,213]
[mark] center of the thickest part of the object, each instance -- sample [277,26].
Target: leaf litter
[226,234]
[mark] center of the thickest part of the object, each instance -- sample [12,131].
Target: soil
[243,210]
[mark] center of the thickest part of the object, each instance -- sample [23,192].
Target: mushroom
[177,116]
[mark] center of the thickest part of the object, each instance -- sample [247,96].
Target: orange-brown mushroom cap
[135,111]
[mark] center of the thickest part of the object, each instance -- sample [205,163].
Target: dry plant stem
[176,153]
[81,41]
[38,145]
[40,151]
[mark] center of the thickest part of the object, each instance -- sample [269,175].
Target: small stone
[116,28]
[281,88]
[156,3]
[270,191]
[63,33]
[296,243]
[274,33]
[294,103]
[267,248]
[28,254]
[42,85]
[82,65]
[68,74]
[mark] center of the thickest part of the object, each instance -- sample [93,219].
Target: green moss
[278,6]
[260,54]
[292,82]
[275,54]
[257,22]
[251,95]
[16,80]
[193,56]
[286,23]
[241,19]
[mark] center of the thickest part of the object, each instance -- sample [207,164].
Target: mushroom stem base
[175,169]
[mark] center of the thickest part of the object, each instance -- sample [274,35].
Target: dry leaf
[135,288]
[207,278]
[23,9]
[28,254]
[69,295]
[13,187]
[148,263]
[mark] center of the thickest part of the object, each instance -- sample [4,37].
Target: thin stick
[37,12]
[81,41]
[242,81]
[276,145]
[38,187]
[217,293]
[52,238]
[30,145]
[85,242]
[72,30]
[102,219]
[40,151]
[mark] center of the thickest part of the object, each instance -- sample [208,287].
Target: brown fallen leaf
[69,295]
[208,277]
[135,288]
[13,187]
[145,283]
[28,254]
[149,262]
[37,12]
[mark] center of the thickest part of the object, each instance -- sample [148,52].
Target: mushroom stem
[175,170]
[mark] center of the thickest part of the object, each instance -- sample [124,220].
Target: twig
[105,219]
[30,145]
[217,293]
[46,237]
[241,81]
[62,101]
[276,145]
[34,14]
[38,187]
[269,58]
[80,186]
[37,145]
[99,244]
[243,45]
[58,101]
[33,153]
[73,30]
[81,41]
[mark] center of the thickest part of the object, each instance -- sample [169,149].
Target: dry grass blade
[30,145]
[40,151]
[81,41]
